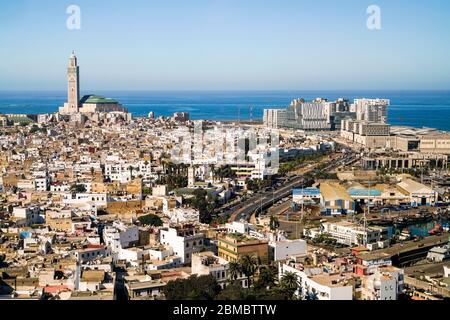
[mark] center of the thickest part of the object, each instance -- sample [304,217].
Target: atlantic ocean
[411,108]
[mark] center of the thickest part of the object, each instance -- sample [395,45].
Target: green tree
[151,220]
[249,265]
[234,292]
[289,285]
[274,223]
[78,188]
[192,288]
[234,270]
[266,278]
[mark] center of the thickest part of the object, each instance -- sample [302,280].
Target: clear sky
[226,44]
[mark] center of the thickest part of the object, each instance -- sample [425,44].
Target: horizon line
[222,90]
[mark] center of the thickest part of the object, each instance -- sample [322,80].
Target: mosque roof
[97,100]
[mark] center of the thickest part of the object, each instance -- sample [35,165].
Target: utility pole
[368,210]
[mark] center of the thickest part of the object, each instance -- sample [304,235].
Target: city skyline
[218,45]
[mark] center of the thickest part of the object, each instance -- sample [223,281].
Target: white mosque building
[89,104]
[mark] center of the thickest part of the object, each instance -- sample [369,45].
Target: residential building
[184,241]
[232,247]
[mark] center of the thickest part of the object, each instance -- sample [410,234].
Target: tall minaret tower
[73,80]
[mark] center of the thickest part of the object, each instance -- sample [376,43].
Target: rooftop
[97,100]
[334,191]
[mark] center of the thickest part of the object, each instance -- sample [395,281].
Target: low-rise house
[25,216]
[316,284]
[282,250]
[119,236]
[183,240]
[379,286]
[91,253]
[232,247]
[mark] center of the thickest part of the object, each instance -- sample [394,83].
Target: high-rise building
[302,115]
[373,110]
[275,118]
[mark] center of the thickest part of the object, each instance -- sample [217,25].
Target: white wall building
[323,285]
[118,236]
[184,241]
[239,227]
[282,250]
[350,234]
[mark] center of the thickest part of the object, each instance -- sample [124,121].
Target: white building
[439,254]
[282,250]
[118,236]
[98,199]
[374,110]
[239,227]
[349,234]
[419,194]
[323,285]
[446,271]
[26,216]
[206,263]
[25,184]
[275,118]
[184,241]
[41,183]
[184,215]
[59,187]
[379,286]
[91,253]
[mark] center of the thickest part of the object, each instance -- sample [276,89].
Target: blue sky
[226,45]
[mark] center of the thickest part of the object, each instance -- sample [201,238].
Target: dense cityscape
[321,200]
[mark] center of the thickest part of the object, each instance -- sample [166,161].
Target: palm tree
[234,270]
[249,265]
[289,283]
[266,277]
[311,295]
[274,223]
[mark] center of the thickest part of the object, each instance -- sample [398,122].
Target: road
[429,268]
[265,200]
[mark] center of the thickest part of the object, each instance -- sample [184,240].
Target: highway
[265,200]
